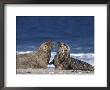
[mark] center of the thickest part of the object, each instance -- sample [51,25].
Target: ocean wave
[24,52]
[87,57]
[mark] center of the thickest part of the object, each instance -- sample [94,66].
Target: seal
[63,60]
[38,59]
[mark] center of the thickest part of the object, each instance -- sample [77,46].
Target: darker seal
[63,60]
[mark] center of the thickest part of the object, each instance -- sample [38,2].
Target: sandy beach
[52,71]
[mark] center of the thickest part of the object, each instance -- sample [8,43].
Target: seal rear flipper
[81,65]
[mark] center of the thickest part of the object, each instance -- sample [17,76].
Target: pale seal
[39,59]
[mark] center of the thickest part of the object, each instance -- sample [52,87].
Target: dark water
[77,31]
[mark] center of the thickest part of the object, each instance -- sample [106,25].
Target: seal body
[39,59]
[76,64]
[63,60]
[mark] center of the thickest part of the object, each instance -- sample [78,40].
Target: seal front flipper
[51,62]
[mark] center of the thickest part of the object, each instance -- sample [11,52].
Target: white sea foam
[49,66]
[88,57]
[24,52]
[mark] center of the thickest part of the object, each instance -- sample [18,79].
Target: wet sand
[52,71]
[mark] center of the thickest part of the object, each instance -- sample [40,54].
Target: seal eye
[45,46]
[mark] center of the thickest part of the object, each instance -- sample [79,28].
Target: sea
[76,31]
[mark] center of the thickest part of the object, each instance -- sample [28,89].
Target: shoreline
[51,71]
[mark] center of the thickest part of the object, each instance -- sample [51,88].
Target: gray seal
[39,59]
[63,60]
